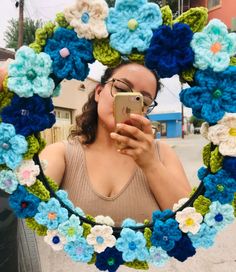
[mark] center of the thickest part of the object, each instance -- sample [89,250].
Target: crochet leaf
[234,205]
[206,154]
[32,224]
[216,160]
[188,75]
[93,260]
[136,57]
[61,20]
[202,204]
[39,190]
[167,15]
[233,61]
[137,265]
[147,235]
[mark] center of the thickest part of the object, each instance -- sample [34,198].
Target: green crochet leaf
[87,229]
[137,265]
[196,18]
[216,160]
[53,185]
[234,205]
[61,20]
[188,75]
[233,61]
[202,204]
[32,224]
[206,154]
[147,236]
[33,147]
[93,260]
[39,190]
[193,191]
[136,57]
[167,15]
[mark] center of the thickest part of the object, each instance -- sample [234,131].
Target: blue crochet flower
[229,165]
[202,173]
[23,203]
[204,237]
[128,222]
[132,245]
[110,260]
[170,52]
[29,74]
[213,47]
[12,146]
[165,234]
[51,214]
[213,95]
[79,250]
[220,186]
[70,54]
[29,115]
[183,249]
[161,215]
[219,215]
[8,181]
[130,24]
[158,256]
[71,229]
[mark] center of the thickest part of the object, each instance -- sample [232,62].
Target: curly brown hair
[87,121]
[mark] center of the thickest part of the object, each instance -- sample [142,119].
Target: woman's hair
[87,121]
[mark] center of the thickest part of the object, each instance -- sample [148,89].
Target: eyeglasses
[120,86]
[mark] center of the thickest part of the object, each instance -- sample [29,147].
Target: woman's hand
[140,144]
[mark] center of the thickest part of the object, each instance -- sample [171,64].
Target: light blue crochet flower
[128,222]
[51,214]
[130,24]
[12,146]
[213,47]
[29,74]
[79,250]
[132,245]
[71,229]
[219,215]
[8,181]
[158,256]
[213,94]
[204,237]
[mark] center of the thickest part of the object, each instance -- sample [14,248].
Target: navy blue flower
[110,259]
[23,203]
[70,54]
[170,52]
[183,249]
[213,95]
[220,186]
[29,115]
[229,165]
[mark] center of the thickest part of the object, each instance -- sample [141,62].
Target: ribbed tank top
[134,201]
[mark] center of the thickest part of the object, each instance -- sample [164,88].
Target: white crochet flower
[87,17]
[44,164]
[105,220]
[189,220]
[180,203]
[204,130]
[223,134]
[27,172]
[55,240]
[101,237]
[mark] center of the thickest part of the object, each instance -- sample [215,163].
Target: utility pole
[21,23]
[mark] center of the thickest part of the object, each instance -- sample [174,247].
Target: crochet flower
[104,220]
[132,245]
[29,115]
[12,146]
[88,18]
[180,203]
[189,220]
[79,250]
[220,186]
[219,215]
[170,52]
[161,215]
[29,74]
[110,260]
[229,165]
[213,95]
[204,238]
[8,181]
[128,222]
[23,203]
[224,135]
[51,214]
[55,240]
[101,237]
[130,24]
[213,47]
[165,234]
[27,172]
[71,229]
[70,54]
[158,256]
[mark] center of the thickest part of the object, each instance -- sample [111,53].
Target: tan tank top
[134,201]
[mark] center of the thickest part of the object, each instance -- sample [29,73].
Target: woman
[99,178]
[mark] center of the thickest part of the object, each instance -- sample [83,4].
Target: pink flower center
[26,174]
[64,52]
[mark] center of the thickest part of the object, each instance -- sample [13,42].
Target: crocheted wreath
[201,54]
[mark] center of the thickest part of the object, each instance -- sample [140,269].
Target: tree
[11,34]
[195,121]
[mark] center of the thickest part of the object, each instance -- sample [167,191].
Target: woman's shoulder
[164,149]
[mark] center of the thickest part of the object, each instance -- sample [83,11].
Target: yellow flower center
[232,132]
[189,222]
[216,47]
[220,187]
[132,24]
[71,231]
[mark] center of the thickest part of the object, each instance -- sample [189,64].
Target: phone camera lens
[137,98]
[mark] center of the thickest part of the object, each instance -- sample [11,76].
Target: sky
[168,98]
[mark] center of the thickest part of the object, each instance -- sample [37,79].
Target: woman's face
[139,78]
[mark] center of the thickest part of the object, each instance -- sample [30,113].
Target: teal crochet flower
[158,256]
[132,245]
[8,181]
[214,46]
[71,229]
[205,237]
[12,146]
[51,214]
[219,215]
[79,250]
[29,74]
[130,24]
